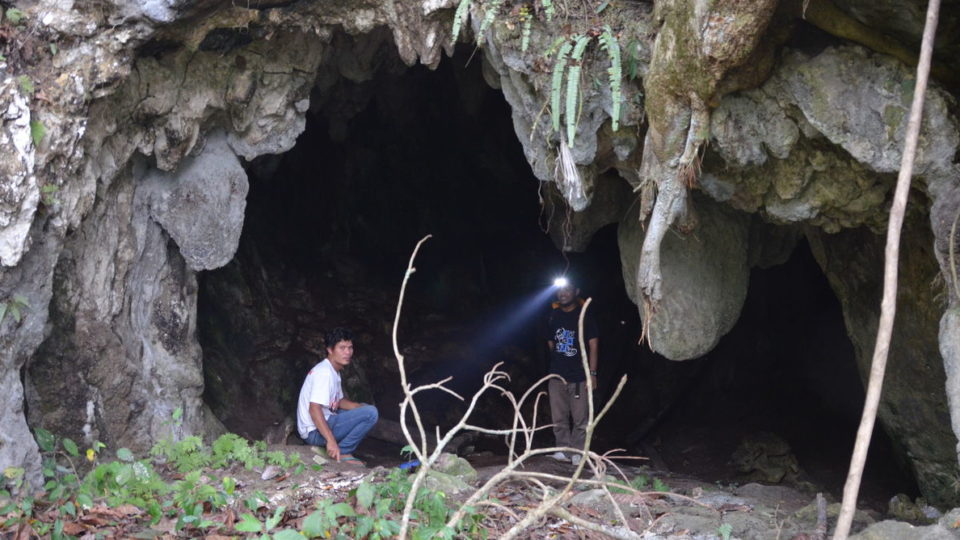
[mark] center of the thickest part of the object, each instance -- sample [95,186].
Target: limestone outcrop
[124,151]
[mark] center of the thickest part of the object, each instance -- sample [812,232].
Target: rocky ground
[314,496]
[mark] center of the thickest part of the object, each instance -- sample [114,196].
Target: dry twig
[519,433]
[888,306]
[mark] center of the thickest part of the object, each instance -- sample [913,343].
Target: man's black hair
[337,335]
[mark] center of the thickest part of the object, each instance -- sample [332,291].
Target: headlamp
[561,282]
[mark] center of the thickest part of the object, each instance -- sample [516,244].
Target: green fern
[488,16]
[573,87]
[547,9]
[37,131]
[460,17]
[558,67]
[527,27]
[609,43]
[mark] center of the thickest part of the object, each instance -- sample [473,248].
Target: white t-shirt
[321,386]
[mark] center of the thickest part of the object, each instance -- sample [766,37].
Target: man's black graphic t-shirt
[562,327]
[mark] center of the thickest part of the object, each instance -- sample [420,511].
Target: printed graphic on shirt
[565,343]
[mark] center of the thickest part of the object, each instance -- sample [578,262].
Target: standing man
[568,397]
[324,416]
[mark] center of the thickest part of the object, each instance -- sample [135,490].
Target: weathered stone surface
[705,277]
[913,406]
[897,530]
[19,193]
[457,467]
[860,101]
[201,205]
[949,336]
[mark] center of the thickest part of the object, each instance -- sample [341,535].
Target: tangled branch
[519,439]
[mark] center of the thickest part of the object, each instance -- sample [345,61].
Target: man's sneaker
[575,459]
[559,456]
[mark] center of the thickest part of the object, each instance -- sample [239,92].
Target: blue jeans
[349,428]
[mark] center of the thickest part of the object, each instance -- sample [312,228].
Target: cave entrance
[781,388]
[330,226]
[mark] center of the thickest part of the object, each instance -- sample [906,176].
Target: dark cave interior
[330,226]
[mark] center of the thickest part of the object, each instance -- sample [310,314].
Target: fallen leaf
[73,528]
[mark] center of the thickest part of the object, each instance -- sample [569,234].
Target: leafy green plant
[658,485]
[460,17]
[37,131]
[526,27]
[573,88]
[192,495]
[15,16]
[557,81]
[548,9]
[26,85]
[48,194]
[609,43]
[489,14]
[15,307]
[724,531]
[323,521]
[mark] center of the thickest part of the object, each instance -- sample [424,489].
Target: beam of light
[561,282]
[500,328]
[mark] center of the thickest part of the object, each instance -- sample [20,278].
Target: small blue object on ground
[410,464]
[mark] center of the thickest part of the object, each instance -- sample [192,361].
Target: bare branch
[888,306]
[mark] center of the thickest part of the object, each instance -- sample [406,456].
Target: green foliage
[15,16]
[556,83]
[190,453]
[14,307]
[573,88]
[609,43]
[633,59]
[488,16]
[460,17]
[526,27]
[325,519]
[548,9]
[37,131]
[186,455]
[26,85]
[724,530]
[658,485]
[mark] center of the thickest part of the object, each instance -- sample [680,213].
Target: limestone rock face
[705,276]
[201,206]
[913,406]
[19,194]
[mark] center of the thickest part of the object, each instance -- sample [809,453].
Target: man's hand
[335,405]
[333,450]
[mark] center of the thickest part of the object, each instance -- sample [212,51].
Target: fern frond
[460,17]
[573,87]
[488,17]
[527,22]
[609,43]
[547,9]
[555,84]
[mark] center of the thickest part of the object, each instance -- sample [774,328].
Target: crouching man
[324,416]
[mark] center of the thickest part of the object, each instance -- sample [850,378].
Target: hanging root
[952,254]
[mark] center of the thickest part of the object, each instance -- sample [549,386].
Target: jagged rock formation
[150,109]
